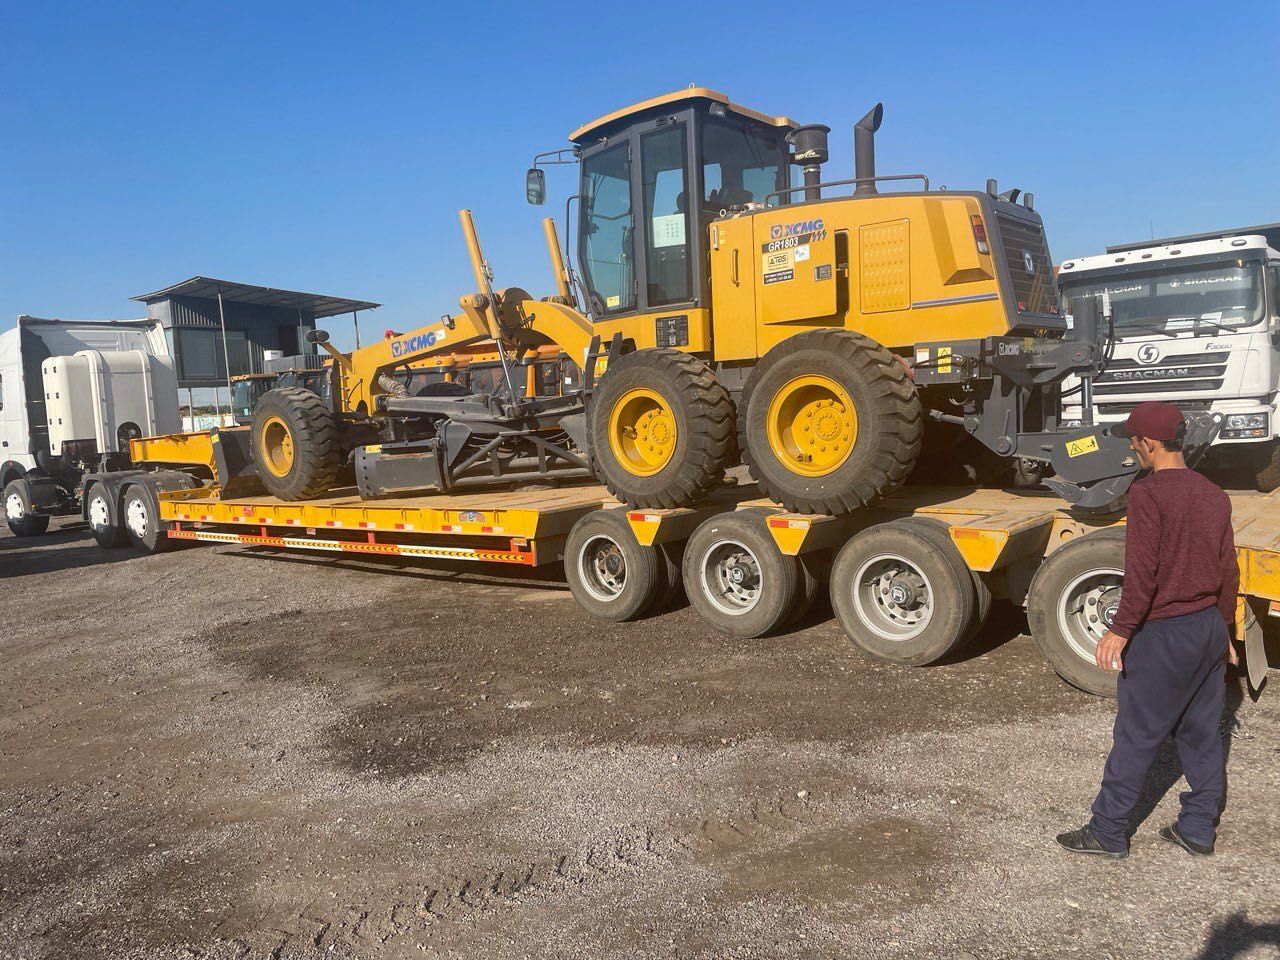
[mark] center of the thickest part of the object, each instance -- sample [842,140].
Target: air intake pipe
[864,149]
[810,144]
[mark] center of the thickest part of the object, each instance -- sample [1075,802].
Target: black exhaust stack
[811,153]
[864,149]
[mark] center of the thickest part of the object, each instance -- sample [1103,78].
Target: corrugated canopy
[316,304]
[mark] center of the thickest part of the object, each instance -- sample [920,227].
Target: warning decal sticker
[778,266]
[1078,448]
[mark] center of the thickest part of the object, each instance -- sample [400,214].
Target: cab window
[606,243]
[740,165]
[662,162]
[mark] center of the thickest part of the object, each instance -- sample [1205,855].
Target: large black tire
[697,409]
[610,574]
[140,517]
[295,444]
[881,452]
[903,593]
[1266,473]
[736,578]
[22,518]
[1070,603]
[104,519]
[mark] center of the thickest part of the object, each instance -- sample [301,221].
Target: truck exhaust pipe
[864,149]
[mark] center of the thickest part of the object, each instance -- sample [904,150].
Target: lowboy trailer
[911,578]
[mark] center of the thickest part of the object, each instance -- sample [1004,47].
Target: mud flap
[1249,629]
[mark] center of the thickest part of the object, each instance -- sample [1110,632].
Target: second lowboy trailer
[911,579]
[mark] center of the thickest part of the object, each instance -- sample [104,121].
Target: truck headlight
[1246,421]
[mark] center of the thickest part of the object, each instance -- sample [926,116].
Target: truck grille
[1024,243]
[1177,373]
[1124,409]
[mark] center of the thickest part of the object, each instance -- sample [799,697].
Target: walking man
[1169,641]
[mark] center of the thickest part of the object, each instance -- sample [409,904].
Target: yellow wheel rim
[642,432]
[277,446]
[813,426]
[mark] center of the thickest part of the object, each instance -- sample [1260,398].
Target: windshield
[1192,299]
[740,165]
[606,241]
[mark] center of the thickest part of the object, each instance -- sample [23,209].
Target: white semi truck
[72,395]
[1196,322]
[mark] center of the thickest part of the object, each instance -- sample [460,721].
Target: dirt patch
[219,753]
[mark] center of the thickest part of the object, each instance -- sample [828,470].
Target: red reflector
[980,233]
[1022,305]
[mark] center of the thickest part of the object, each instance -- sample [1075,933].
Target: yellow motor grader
[718,309]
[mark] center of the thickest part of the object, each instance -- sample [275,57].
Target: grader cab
[719,310]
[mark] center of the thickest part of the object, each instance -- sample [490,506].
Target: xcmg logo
[780,230]
[421,341]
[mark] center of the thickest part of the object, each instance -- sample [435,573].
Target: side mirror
[535,186]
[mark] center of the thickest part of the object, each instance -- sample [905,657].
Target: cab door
[733,290]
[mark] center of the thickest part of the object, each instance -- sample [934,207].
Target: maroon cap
[1154,420]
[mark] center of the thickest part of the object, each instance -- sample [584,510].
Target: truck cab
[72,395]
[1194,321]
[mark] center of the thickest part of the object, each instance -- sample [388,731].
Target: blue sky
[327,147]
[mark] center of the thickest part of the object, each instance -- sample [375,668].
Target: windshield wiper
[1146,326]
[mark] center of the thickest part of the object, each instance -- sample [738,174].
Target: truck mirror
[535,186]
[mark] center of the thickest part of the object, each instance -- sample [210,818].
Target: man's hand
[1231,656]
[1109,650]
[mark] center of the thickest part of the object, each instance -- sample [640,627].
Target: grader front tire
[831,422]
[662,429]
[295,444]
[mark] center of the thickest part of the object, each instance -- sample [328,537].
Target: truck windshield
[1192,299]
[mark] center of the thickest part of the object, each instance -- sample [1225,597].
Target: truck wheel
[662,429]
[1266,475]
[736,577]
[610,574]
[831,422]
[295,443]
[1070,604]
[141,515]
[103,524]
[902,592]
[23,520]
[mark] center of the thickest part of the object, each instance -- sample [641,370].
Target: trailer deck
[622,562]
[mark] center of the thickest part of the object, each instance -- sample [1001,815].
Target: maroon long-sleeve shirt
[1179,551]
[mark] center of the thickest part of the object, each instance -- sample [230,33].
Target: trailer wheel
[662,429]
[23,519]
[1070,604]
[141,516]
[1266,474]
[295,443]
[736,577]
[830,422]
[982,597]
[103,523]
[813,570]
[903,593]
[610,574]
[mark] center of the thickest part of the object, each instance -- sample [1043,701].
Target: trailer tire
[610,574]
[1078,582]
[104,520]
[903,593]
[831,422]
[295,443]
[982,596]
[662,429]
[1266,475]
[736,578]
[22,518]
[813,575]
[140,517]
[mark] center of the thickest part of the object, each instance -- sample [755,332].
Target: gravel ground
[231,754]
